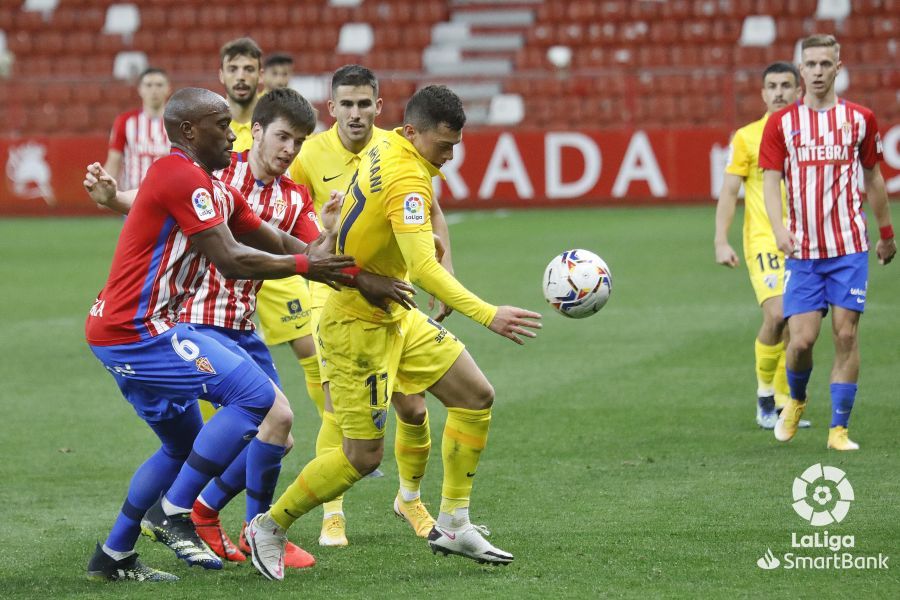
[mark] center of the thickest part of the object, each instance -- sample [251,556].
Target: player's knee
[483,396]
[802,342]
[280,417]
[410,409]
[845,338]
[365,460]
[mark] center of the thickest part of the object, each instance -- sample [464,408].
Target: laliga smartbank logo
[822,496]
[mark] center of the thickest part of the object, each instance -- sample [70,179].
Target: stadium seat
[128,65]
[506,109]
[122,19]
[42,6]
[757,30]
[560,56]
[836,10]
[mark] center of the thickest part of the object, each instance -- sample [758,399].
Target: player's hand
[786,241]
[327,269]
[331,212]
[510,322]
[100,185]
[885,250]
[439,248]
[725,255]
[378,290]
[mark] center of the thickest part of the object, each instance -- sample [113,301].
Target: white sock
[331,514]
[409,495]
[170,509]
[115,554]
[459,518]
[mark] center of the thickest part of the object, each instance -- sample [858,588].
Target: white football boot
[467,540]
[267,541]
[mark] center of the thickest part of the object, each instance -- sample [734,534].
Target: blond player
[824,147]
[367,354]
[765,262]
[327,162]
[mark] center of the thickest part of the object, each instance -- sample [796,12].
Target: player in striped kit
[223,308]
[139,137]
[183,220]
[818,145]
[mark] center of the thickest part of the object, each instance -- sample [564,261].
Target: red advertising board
[490,169]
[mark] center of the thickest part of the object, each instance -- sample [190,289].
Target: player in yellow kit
[327,162]
[366,353]
[765,262]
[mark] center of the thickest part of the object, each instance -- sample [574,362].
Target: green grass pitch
[623,459]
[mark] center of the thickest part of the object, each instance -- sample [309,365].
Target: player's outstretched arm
[238,261]
[511,322]
[725,207]
[104,190]
[785,240]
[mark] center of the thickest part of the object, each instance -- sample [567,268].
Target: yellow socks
[330,438]
[411,448]
[782,390]
[313,378]
[322,479]
[766,364]
[465,436]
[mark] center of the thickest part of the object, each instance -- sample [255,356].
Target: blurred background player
[327,162]
[765,262]
[185,220]
[139,136]
[819,144]
[277,71]
[366,353]
[239,71]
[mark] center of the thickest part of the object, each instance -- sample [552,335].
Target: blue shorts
[162,377]
[246,343]
[815,284]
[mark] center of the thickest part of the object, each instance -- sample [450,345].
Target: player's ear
[409,131]
[330,104]
[378,104]
[221,76]
[256,131]
[187,130]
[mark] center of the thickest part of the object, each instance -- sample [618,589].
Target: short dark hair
[433,105]
[288,104]
[152,71]
[354,75]
[240,47]
[782,67]
[278,58]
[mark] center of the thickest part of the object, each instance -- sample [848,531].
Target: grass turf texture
[623,460]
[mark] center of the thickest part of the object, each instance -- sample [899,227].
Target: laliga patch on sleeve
[413,210]
[202,202]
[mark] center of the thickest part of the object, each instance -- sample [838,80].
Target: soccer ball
[577,283]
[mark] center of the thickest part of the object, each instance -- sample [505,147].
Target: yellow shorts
[366,362]
[766,266]
[283,309]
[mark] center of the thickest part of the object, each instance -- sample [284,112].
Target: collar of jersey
[404,143]
[336,144]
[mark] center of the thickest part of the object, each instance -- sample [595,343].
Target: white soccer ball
[577,283]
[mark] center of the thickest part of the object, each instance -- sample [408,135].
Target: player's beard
[243,102]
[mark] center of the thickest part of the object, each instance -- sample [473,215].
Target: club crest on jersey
[202,202]
[379,418]
[280,205]
[413,210]
[204,366]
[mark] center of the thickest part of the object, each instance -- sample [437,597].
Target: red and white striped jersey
[283,204]
[820,153]
[154,267]
[141,140]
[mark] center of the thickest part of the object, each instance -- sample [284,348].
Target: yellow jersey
[324,164]
[386,226]
[743,162]
[244,137]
